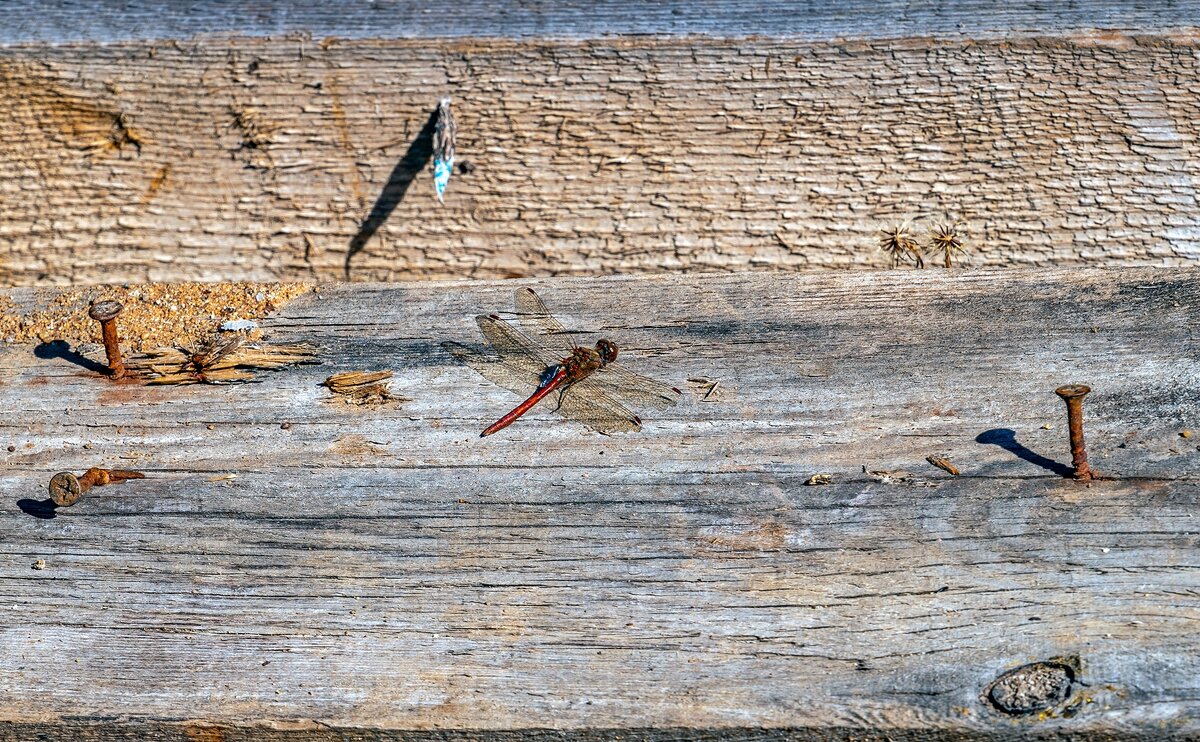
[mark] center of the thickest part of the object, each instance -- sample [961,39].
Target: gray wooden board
[33,21]
[388,571]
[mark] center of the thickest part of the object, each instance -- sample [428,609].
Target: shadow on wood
[413,162]
[62,349]
[1007,439]
[43,509]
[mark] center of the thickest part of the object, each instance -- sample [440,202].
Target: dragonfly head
[607,350]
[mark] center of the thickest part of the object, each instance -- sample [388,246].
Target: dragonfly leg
[561,394]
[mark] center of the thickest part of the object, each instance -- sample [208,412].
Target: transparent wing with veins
[614,379]
[518,365]
[537,320]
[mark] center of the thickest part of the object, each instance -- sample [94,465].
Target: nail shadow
[1007,439]
[61,349]
[43,509]
[414,161]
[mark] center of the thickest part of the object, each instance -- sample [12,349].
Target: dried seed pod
[900,244]
[946,239]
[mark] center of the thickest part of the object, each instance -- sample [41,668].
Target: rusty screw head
[65,489]
[1073,391]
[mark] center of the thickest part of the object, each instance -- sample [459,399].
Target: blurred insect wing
[444,132]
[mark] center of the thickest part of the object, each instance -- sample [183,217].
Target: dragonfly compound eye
[607,350]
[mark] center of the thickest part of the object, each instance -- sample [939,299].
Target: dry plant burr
[66,488]
[105,312]
[946,239]
[900,244]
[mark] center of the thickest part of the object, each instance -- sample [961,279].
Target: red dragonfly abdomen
[554,382]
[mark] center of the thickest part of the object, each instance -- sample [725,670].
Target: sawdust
[155,315]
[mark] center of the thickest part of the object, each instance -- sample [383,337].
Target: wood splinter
[367,388]
[218,361]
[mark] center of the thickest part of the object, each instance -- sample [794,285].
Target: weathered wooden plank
[386,571]
[294,158]
[31,21]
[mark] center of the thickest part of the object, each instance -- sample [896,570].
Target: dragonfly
[588,385]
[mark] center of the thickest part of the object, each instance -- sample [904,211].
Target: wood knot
[1035,687]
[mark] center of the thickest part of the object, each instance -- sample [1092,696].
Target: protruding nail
[1073,395]
[105,312]
[66,488]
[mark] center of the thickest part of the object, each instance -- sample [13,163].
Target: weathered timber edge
[300,159]
[107,21]
[386,573]
[193,732]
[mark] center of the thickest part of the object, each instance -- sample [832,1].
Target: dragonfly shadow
[43,509]
[1007,439]
[61,349]
[469,355]
[413,162]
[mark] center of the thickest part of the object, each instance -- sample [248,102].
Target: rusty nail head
[104,311]
[1072,391]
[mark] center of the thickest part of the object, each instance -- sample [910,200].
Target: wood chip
[363,388]
[943,463]
[885,476]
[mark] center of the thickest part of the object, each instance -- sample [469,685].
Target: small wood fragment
[817,479]
[885,476]
[943,463]
[363,388]
[706,388]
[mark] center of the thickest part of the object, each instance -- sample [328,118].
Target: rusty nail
[66,488]
[105,312]
[1073,395]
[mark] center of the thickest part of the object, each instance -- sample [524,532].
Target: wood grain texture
[363,573]
[291,158]
[107,21]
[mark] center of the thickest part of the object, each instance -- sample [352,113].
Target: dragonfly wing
[491,368]
[634,389]
[518,362]
[515,347]
[597,410]
[537,320]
